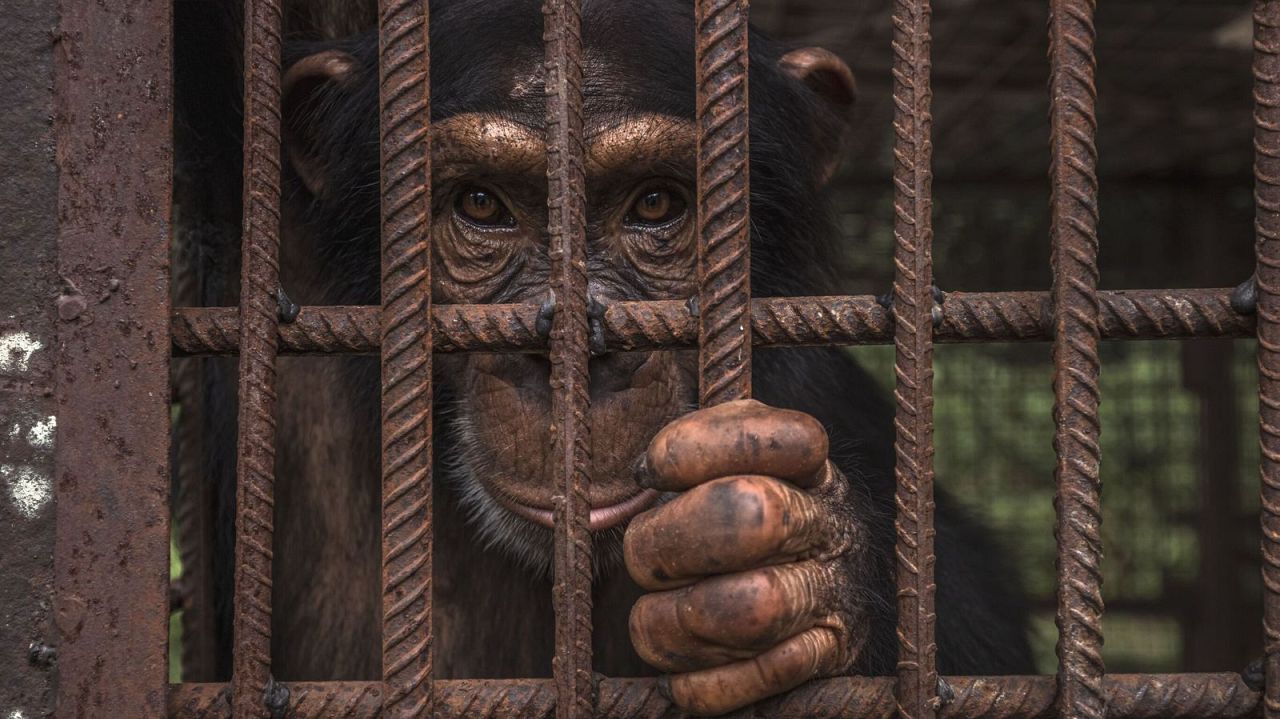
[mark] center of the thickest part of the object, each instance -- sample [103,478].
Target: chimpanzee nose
[595,320]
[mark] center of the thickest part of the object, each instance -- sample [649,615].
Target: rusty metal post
[724,241]
[113,82]
[28,338]
[1266,142]
[1074,229]
[917,687]
[259,283]
[566,228]
[406,358]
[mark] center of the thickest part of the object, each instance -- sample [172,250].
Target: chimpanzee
[741,549]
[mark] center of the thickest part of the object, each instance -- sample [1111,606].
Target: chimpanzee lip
[601,517]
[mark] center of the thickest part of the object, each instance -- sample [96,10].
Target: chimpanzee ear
[823,72]
[306,83]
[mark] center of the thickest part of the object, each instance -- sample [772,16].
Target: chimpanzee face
[491,245]
[489,237]
[491,209]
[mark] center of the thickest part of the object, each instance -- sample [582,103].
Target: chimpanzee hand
[751,570]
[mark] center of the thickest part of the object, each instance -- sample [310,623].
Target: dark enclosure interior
[1174,115]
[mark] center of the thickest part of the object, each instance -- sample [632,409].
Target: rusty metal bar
[776,322]
[111,491]
[259,284]
[724,242]
[1130,696]
[405,98]
[1266,142]
[917,686]
[28,281]
[1074,230]
[566,229]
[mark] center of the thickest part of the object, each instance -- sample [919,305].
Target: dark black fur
[646,50]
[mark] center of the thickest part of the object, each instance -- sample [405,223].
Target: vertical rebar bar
[566,229]
[724,251]
[1266,142]
[917,686]
[259,282]
[1074,230]
[405,124]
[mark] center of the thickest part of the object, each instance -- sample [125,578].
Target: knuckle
[818,651]
[760,517]
[747,515]
[700,696]
[751,608]
[746,501]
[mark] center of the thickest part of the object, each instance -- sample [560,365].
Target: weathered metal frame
[775,322]
[124,469]
[405,102]
[28,324]
[113,133]
[1130,696]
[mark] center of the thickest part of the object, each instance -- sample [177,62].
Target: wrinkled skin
[751,568]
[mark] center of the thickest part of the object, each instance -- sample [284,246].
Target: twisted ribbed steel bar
[724,257]
[406,358]
[917,684]
[1074,229]
[776,322]
[1266,94]
[566,228]
[1130,696]
[259,281]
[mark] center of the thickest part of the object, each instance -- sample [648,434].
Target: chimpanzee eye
[483,208]
[655,207]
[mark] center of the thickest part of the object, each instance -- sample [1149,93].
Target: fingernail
[664,687]
[640,471]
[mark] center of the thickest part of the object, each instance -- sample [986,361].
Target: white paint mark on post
[41,433]
[29,488]
[16,349]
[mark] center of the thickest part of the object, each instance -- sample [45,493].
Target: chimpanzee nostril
[595,322]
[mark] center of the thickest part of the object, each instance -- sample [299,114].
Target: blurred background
[1179,462]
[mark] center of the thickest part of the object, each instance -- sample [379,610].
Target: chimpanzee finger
[727,525]
[731,617]
[742,437]
[810,654]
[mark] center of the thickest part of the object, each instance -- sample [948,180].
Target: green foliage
[994,441]
[175,619]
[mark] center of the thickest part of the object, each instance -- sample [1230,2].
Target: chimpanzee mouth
[601,517]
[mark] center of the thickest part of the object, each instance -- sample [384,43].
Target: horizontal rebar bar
[1129,696]
[782,321]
